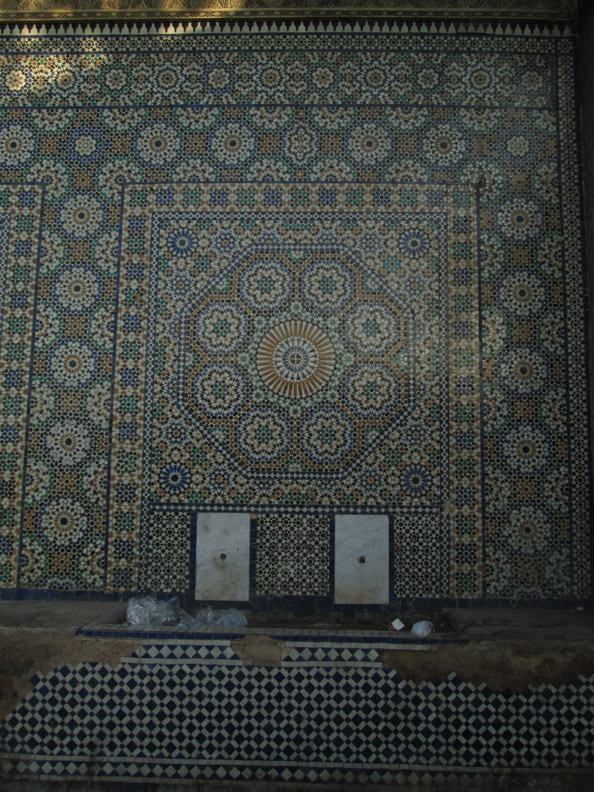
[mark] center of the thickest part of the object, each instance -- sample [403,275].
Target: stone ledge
[94,10]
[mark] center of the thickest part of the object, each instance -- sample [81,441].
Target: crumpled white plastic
[151,612]
[422,629]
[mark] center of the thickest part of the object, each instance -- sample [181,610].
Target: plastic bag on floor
[422,628]
[144,611]
[151,612]
[226,619]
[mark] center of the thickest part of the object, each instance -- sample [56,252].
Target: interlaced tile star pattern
[312,274]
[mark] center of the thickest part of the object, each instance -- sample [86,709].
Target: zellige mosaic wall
[295,277]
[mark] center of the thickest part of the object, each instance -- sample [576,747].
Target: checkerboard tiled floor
[192,710]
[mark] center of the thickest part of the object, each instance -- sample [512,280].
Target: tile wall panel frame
[508,576]
[21,213]
[456,204]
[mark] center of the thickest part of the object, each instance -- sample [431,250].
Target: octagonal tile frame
[249,348]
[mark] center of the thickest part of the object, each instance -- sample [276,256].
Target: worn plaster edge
[147,28]
[496,666]
[60,650]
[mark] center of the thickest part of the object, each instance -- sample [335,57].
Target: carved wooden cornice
[93,10]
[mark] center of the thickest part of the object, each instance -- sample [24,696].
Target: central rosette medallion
[295,359]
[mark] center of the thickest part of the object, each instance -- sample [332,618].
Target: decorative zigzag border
[326,26]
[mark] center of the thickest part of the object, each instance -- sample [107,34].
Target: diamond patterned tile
[349,715]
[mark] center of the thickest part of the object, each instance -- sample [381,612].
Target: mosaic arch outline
[509,127]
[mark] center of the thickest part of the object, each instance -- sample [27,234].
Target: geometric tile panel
[304,362]
[21,207]
[193,711]
[169,552]
[323,273]
[293,555]
[418,564]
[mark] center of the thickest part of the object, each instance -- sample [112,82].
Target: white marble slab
[223,557]
[361,559]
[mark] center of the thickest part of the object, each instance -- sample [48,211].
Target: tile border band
[546,28]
